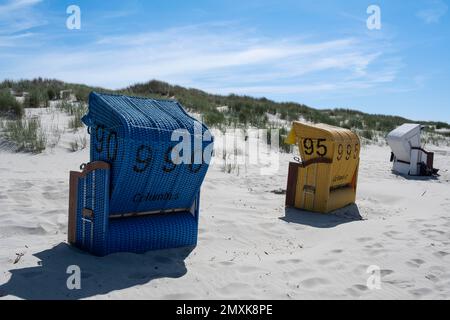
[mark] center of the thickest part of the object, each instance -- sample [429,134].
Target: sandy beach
[250,246]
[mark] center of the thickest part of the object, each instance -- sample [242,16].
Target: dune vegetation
[218,111]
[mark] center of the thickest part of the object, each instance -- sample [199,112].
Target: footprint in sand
[178,296]
[314,282]
[441,254]
[434,234]
[23,185]
[391,234]
[357,290]
[325,262]
[20,197]
[361,269]
[248,269]
[415,263]
[432,278]
[386,272]
[232,288]
[299,272]
[421,292]
[52,213]
[396,235]
[289,261]
[52,195]
[376,252]
[431,232]
[374,246]
[402,284]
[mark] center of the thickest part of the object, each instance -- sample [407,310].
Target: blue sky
[320,53]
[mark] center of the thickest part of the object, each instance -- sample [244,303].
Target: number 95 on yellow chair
[326,178]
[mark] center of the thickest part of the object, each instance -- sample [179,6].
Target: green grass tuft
[26,135]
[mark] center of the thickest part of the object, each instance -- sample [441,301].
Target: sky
[320,53]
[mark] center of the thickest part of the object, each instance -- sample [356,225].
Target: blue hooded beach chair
[134,196]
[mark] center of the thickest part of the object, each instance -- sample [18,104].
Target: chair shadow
[345,215]
[99,275]
[416,178]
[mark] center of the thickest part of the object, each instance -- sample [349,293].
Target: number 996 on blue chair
[141,189]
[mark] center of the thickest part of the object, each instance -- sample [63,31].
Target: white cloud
[217,58]
[17,16]
[12,40]
[14,5]
[433,14]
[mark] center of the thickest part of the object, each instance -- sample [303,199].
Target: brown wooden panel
[73,195]
[430,160]
[292,184]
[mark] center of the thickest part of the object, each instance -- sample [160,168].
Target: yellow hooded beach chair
[326,177]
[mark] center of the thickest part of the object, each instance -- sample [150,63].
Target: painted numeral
[320,148]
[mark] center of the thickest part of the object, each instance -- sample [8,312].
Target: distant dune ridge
[216,109]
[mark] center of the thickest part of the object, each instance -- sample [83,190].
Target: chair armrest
[89,206]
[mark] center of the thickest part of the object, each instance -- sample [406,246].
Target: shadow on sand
[416,178]
[345,215]
[99,275]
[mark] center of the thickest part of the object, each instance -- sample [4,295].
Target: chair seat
[141,234]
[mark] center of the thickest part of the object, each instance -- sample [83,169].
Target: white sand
[249,246]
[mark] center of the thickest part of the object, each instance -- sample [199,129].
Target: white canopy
[402,139]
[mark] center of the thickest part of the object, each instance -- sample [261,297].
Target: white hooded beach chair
[408,156]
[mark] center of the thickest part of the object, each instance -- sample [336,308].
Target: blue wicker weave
[144,201]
